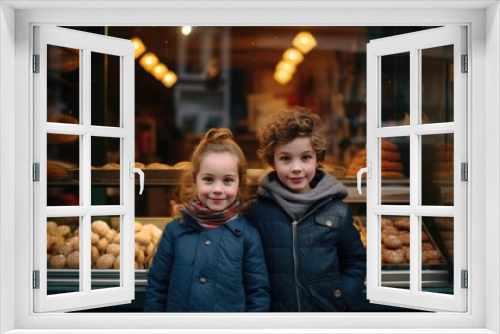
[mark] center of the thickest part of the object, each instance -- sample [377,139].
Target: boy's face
[295,164]
[217,180]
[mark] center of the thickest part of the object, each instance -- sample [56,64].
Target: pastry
[111,165]
[392,242]
[157,165]
[402,223]
[183,165]
[58,138]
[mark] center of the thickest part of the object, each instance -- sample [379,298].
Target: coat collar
[236,225]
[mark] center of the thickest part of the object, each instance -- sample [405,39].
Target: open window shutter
[77,50]
[431,129]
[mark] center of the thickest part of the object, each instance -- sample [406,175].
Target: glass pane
[63,159]
[63,255]
[437,84]
[437,252]
[105,90]
[63,85]
[437,170]
[395,89]
[395,170]
[105,252]
[105,173]
[395,241]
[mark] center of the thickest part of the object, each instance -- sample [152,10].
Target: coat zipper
[295,261]
[295,248]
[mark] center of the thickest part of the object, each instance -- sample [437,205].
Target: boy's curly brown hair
[287,124]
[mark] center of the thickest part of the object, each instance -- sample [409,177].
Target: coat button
[208,242]
[328,223]
[203,280]
[337,293]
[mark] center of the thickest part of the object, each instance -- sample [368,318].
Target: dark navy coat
[208,270]
[315,264]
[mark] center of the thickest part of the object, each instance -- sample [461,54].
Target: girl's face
[295,164]
[217,181]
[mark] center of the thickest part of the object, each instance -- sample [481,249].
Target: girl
[210,259]
[315,258]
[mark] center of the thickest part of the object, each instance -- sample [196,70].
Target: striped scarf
[208,218]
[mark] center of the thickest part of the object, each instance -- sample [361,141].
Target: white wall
[7,158]
[492,163]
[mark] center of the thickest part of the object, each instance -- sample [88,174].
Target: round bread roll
[105,261]
[55,242]
[74,260]
[139,165]
[113,249]
[140,257]
[427,246]
[51,227]
[183,165]
[94,238]
[100,227]
[116,264]
[402,223]
[58,262]
[116,239]
[111,235]
[405,238]
[137,226]
[158,165]
[142,238]
[94,253]
[63,230]
[384,222]
[393,256]
[75,242]
[102,244]
[431,256]
[65,249]
[389,146]
[111,165]
[390,230]
[425,237]
[392,242]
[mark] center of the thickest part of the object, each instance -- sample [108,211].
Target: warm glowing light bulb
[169,79]
[285,66]
[139,47]
[149,61]
[159,71]
[283,77]
[304,41]
[186,30]
[293,56]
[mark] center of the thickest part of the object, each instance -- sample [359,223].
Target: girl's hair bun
[218,134]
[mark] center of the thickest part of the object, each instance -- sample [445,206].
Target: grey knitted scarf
[295,205]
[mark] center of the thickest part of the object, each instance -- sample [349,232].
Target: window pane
[63,255]
[395,170]
[437,84]
[63,85]
[105,89]
[63,158]
[105,252]
[395,89]
[437,170]
[395,251]
[437,251]
[105,173]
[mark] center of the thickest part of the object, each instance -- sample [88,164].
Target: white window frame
[86,43]
[414,43]
[16,21]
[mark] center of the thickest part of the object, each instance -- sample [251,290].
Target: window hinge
[465,64]
[36,63]
[465,279]
[36,172]
[464,172]
[36,279]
